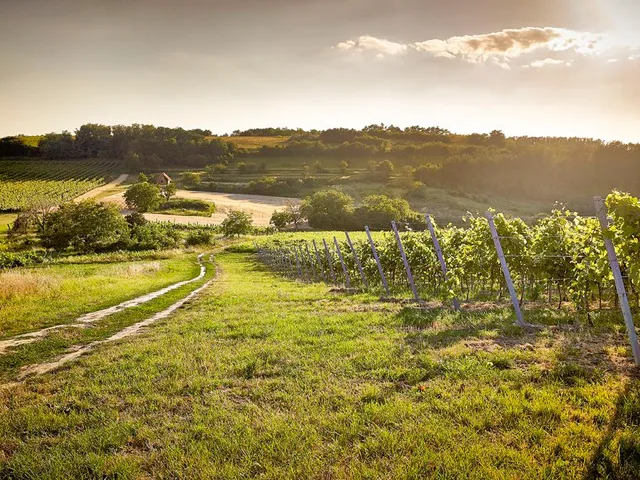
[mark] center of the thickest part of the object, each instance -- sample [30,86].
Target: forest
[545,168]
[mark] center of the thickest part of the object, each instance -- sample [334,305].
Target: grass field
[52,295]
[299,382]
[252,143]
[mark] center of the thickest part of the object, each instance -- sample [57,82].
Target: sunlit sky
[536,67]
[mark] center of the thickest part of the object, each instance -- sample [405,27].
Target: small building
[162,179]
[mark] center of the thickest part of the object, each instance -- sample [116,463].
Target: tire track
[79,350]
[88,318]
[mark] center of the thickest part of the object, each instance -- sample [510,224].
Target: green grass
[6,219]
[264,377]
[57,294]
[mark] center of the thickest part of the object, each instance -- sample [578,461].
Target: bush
[154,236]
[199,237]
[135,218]
[22,259]
[187,204]
[86,226]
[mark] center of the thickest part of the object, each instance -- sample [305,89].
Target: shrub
[199,237]
[189,204]
[154,236]
[86,226]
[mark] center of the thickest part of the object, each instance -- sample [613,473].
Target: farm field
[302,382]
[252,143]
[30,182]
[261,207]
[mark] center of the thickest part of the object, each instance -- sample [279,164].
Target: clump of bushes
[186,206]
[335,210]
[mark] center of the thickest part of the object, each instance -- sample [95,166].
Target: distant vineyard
[26,182]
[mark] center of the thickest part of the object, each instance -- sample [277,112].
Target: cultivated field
[25,183]
[261,207]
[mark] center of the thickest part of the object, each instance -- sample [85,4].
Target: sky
[536,67]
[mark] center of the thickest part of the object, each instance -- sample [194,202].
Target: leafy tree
[280,219]
[143,197]
[237,223]
[169,191]
[86,226]
[191,179]
[377,211]
[328,209]
[344,166]
[92,140]
[496,138]
[58,145]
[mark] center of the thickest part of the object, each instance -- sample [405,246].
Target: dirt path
[260,207]
[107,186]
[88,318]
[77,351]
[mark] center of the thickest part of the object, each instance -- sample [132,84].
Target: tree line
[139,146]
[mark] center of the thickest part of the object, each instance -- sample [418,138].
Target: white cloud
[548,61]
[367,43]
[498,48]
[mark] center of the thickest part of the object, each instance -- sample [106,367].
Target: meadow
[302,382]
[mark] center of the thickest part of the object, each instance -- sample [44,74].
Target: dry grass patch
[15,284]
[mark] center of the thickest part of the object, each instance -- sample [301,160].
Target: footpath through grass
[56,294]
[264,377]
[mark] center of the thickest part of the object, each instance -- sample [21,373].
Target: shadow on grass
[618,454]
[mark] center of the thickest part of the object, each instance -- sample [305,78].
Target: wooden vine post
[318,260]
[406,263]
[505,271]
[377,258]
[347,279]
[443,265]
[329,261]
[617,277]
[358,264]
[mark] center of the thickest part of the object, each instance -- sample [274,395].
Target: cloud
[367,43]
[498,48]
[547,61]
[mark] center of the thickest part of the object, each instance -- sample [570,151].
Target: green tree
[191,179]
[344,166]
[86,226]
[328,209]
[280,219]
[377,211]
[237,223]
[143,197]
[169,191]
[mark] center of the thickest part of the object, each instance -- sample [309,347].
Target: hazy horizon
[544,68]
